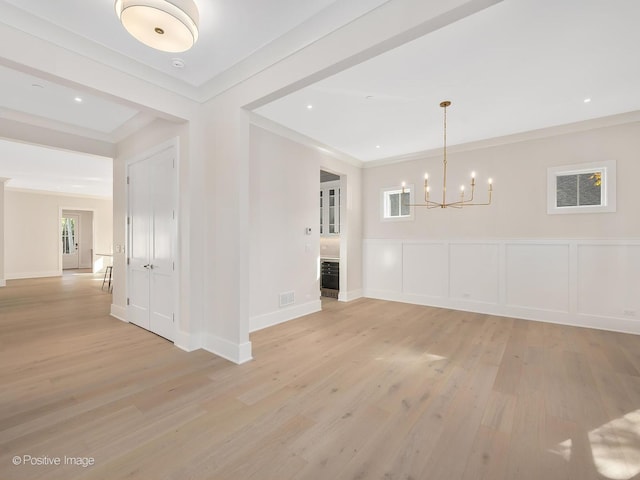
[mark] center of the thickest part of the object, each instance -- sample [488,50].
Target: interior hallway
[364,390]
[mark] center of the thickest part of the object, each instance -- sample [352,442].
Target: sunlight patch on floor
[615,447]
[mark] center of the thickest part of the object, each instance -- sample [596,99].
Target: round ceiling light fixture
[169,26]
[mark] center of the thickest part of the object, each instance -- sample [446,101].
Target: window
[395,204]
[584,188]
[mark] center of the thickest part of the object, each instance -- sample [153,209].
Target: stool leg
[104,280]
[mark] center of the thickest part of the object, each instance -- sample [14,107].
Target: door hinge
[127,180]
[173,317]
[128,220]
[173,264]
[127,300]
[128,259]
[174,214]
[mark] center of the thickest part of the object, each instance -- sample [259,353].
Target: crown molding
[281,130]
[583,126]
[56,194]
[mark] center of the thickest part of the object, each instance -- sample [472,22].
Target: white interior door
[139,237]
[150,260]
[70,236]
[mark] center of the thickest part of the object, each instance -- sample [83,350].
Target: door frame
[175,247]
[93,235]
[343,228]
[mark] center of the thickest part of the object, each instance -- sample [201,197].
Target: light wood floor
[364,390]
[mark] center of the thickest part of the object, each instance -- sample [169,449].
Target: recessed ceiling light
[309,106]
[177,63]
[78,100]
[369,97]
[377,146]
[587,100]
[37,85]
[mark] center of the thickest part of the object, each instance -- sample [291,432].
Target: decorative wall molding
[283,315]
[186,341]
[582,282]
[119,312]
[350,295]
[22,275]
[235,352]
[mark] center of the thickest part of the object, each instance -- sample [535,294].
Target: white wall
[285,183]
[512,258]
[519,171]
[285,180]
[32,231]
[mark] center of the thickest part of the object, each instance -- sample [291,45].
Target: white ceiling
[230,30]
[517,66]
[31,167]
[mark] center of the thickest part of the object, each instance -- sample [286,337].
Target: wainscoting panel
[425,269]
[590,283]
[538,276]
[609,280]
[473,272]
[383,266]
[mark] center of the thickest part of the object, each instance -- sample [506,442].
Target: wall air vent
[286,298]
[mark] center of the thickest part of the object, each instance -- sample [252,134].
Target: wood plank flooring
[364,390]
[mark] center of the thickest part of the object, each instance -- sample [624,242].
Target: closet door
[150,260]
[161,245]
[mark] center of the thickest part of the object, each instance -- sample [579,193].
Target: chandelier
[462,201]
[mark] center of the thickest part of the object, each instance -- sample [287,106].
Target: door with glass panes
[330,208]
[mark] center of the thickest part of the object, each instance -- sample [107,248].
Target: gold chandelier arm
[462,202]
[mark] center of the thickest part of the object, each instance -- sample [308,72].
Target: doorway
[76,235]
[151,242]
[331,238]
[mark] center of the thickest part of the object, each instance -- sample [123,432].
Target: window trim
[608,197]
[384,192]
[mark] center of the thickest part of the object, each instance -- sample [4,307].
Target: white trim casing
[608,169]
[43,274]
[266,320]
[383,203]
[119,312]
[236,353]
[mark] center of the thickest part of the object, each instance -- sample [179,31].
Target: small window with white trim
[583,188]
[396,204]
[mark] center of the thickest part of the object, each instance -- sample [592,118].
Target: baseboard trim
[235,352]
[119,312]
[349,296]
[187,342]
[284,315]
[23,275]
[573,319]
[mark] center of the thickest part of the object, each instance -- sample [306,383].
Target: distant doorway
[76,235]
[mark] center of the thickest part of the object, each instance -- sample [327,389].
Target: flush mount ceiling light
[170,26]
